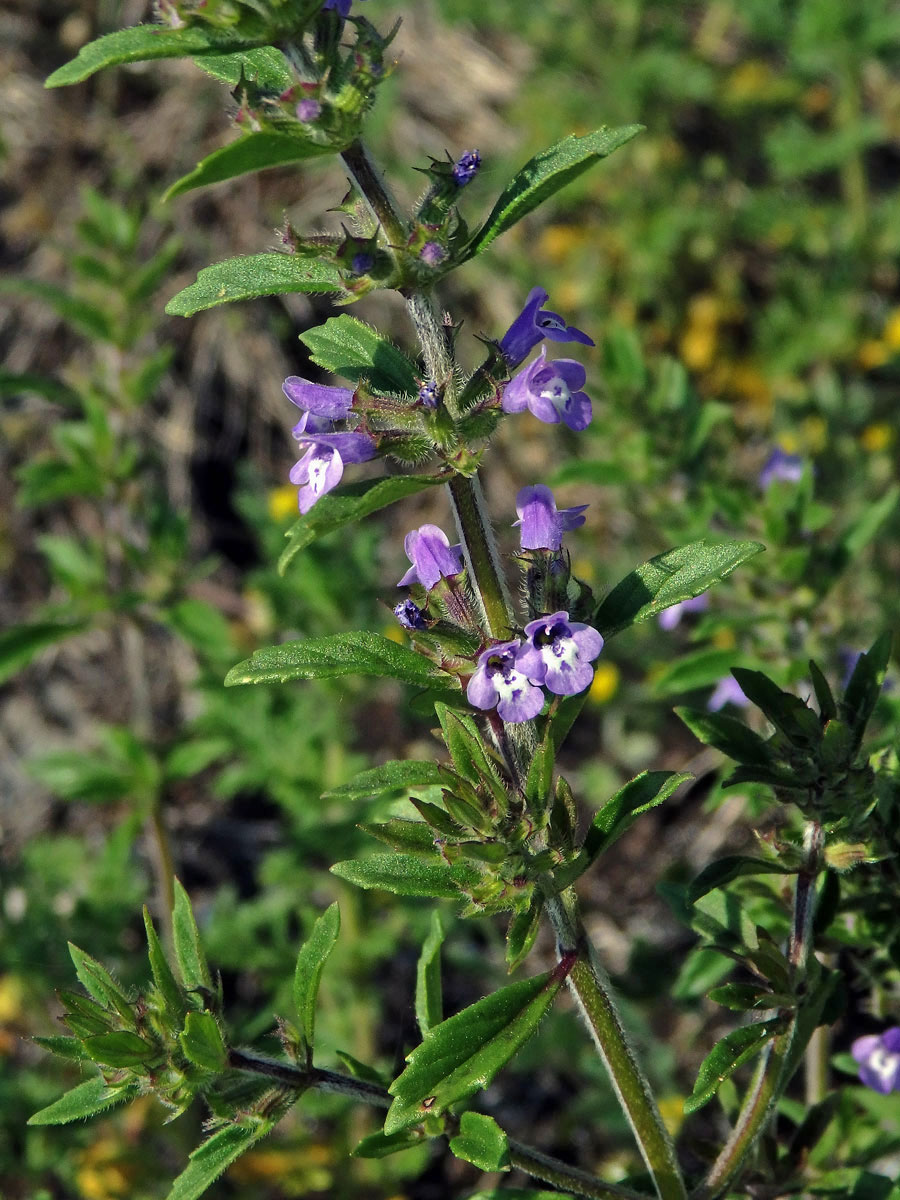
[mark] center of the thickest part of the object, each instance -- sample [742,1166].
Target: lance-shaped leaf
[539,781]
[729,735]
[350,348]
[726,1056]
[201,1041]
[668,579]
[361,653]
[170,993]
[482,1142]
[308,973]
[212,1157]
[18,646]
[429,996]
[645,791]
[97,982]
[522,933]
[465,1052]
[91,1097]
[390,778]
[186,937]
[724,870]
[545,174]
[787,712]
[144,43]
[119,1049]
[864,686]
[350,504]
[251,276]
[251,152]
[414,837]
[408,875]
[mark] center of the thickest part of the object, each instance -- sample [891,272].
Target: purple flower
[332,403]
[532,325]
[321,467]
[787,468]
[499,682]
[559,653]
[428,549]
[428,394]
[878,1056]
[432,253]
[465,167]
[727,691]
[542,523]
[308,110]
[551,391]
[409,615]
[341,7]
[671,616]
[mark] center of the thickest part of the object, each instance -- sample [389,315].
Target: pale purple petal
[578,412]
[523,334]
[559,652]
[324,470]
[480,691]
[499,680]
[428,549]
[727,691]
[787,468]
[864,1046]
[890,1039]
[331,402]
[549,388]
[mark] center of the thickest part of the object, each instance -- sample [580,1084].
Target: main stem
[590,986]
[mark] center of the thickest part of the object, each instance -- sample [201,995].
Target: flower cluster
[556,654]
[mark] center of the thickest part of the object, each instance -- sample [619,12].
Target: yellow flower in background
[789,442]
[751,80]
[891,334]
[876,437]
[558,241]
[12,999]
[583,568]
[701,337]
[814,434]
[671,1109]
[605,683]
[873,353]
[283,503]
[394,633]
[724,639]
[101,1173]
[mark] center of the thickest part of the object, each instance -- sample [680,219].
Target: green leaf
[380,1144]
[251,152]
[482,1142]
[211,1158]
[15,383]
[864,529]
[87,318]
[723,1060]
[119,1049]
[429,997]
[97,982]
[645,791]
[730,736]
[522,932]
[64,1047]
[824,695]
[308,972]
[361,653]
[545,174]
[698,670]
[143,43]
[465,1052]
[469,754]
[788,713]
[266,67]
[864,686]
[741,997]
[188,950]
[669,578]
[18,646]
[171,993]
[350,504]
[348,347]
[250,276]
[539,780]
[408,875]
[733,866]
[414,837]
[201,1041]
[395,777]
[91,1097]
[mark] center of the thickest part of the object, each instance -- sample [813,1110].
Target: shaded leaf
[733,866]
[864,686]
[429,996]
[645,791]
[211,1158]
[545,174]
[482,1142]
[381,1144]
[727,1055]
[668,579]
[730,736]
[361,653]
[308,972]
[119,1049]
[348,347]
[391,777]
[350,504]
[251,152]
[787,712]
[250,276]
[266,67]
[171,993]
[408,875]
[522,932]
[201,1041]
[414,837]
[18,646]
[87,318]
[465,1052]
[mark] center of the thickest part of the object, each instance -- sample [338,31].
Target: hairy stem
[373,189]
[524,1158]
[590,986]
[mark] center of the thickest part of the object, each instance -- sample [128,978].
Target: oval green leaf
[252,152]
[408,875]
[251,276]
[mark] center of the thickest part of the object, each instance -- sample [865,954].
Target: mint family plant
[506,678]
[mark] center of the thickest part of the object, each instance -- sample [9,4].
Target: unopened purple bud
[541,523]
[428,394]
[428,549]
[409,615]
[465,167]
[432,253]
[361,263]
[308,110]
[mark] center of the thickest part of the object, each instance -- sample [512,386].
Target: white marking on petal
[557,392]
